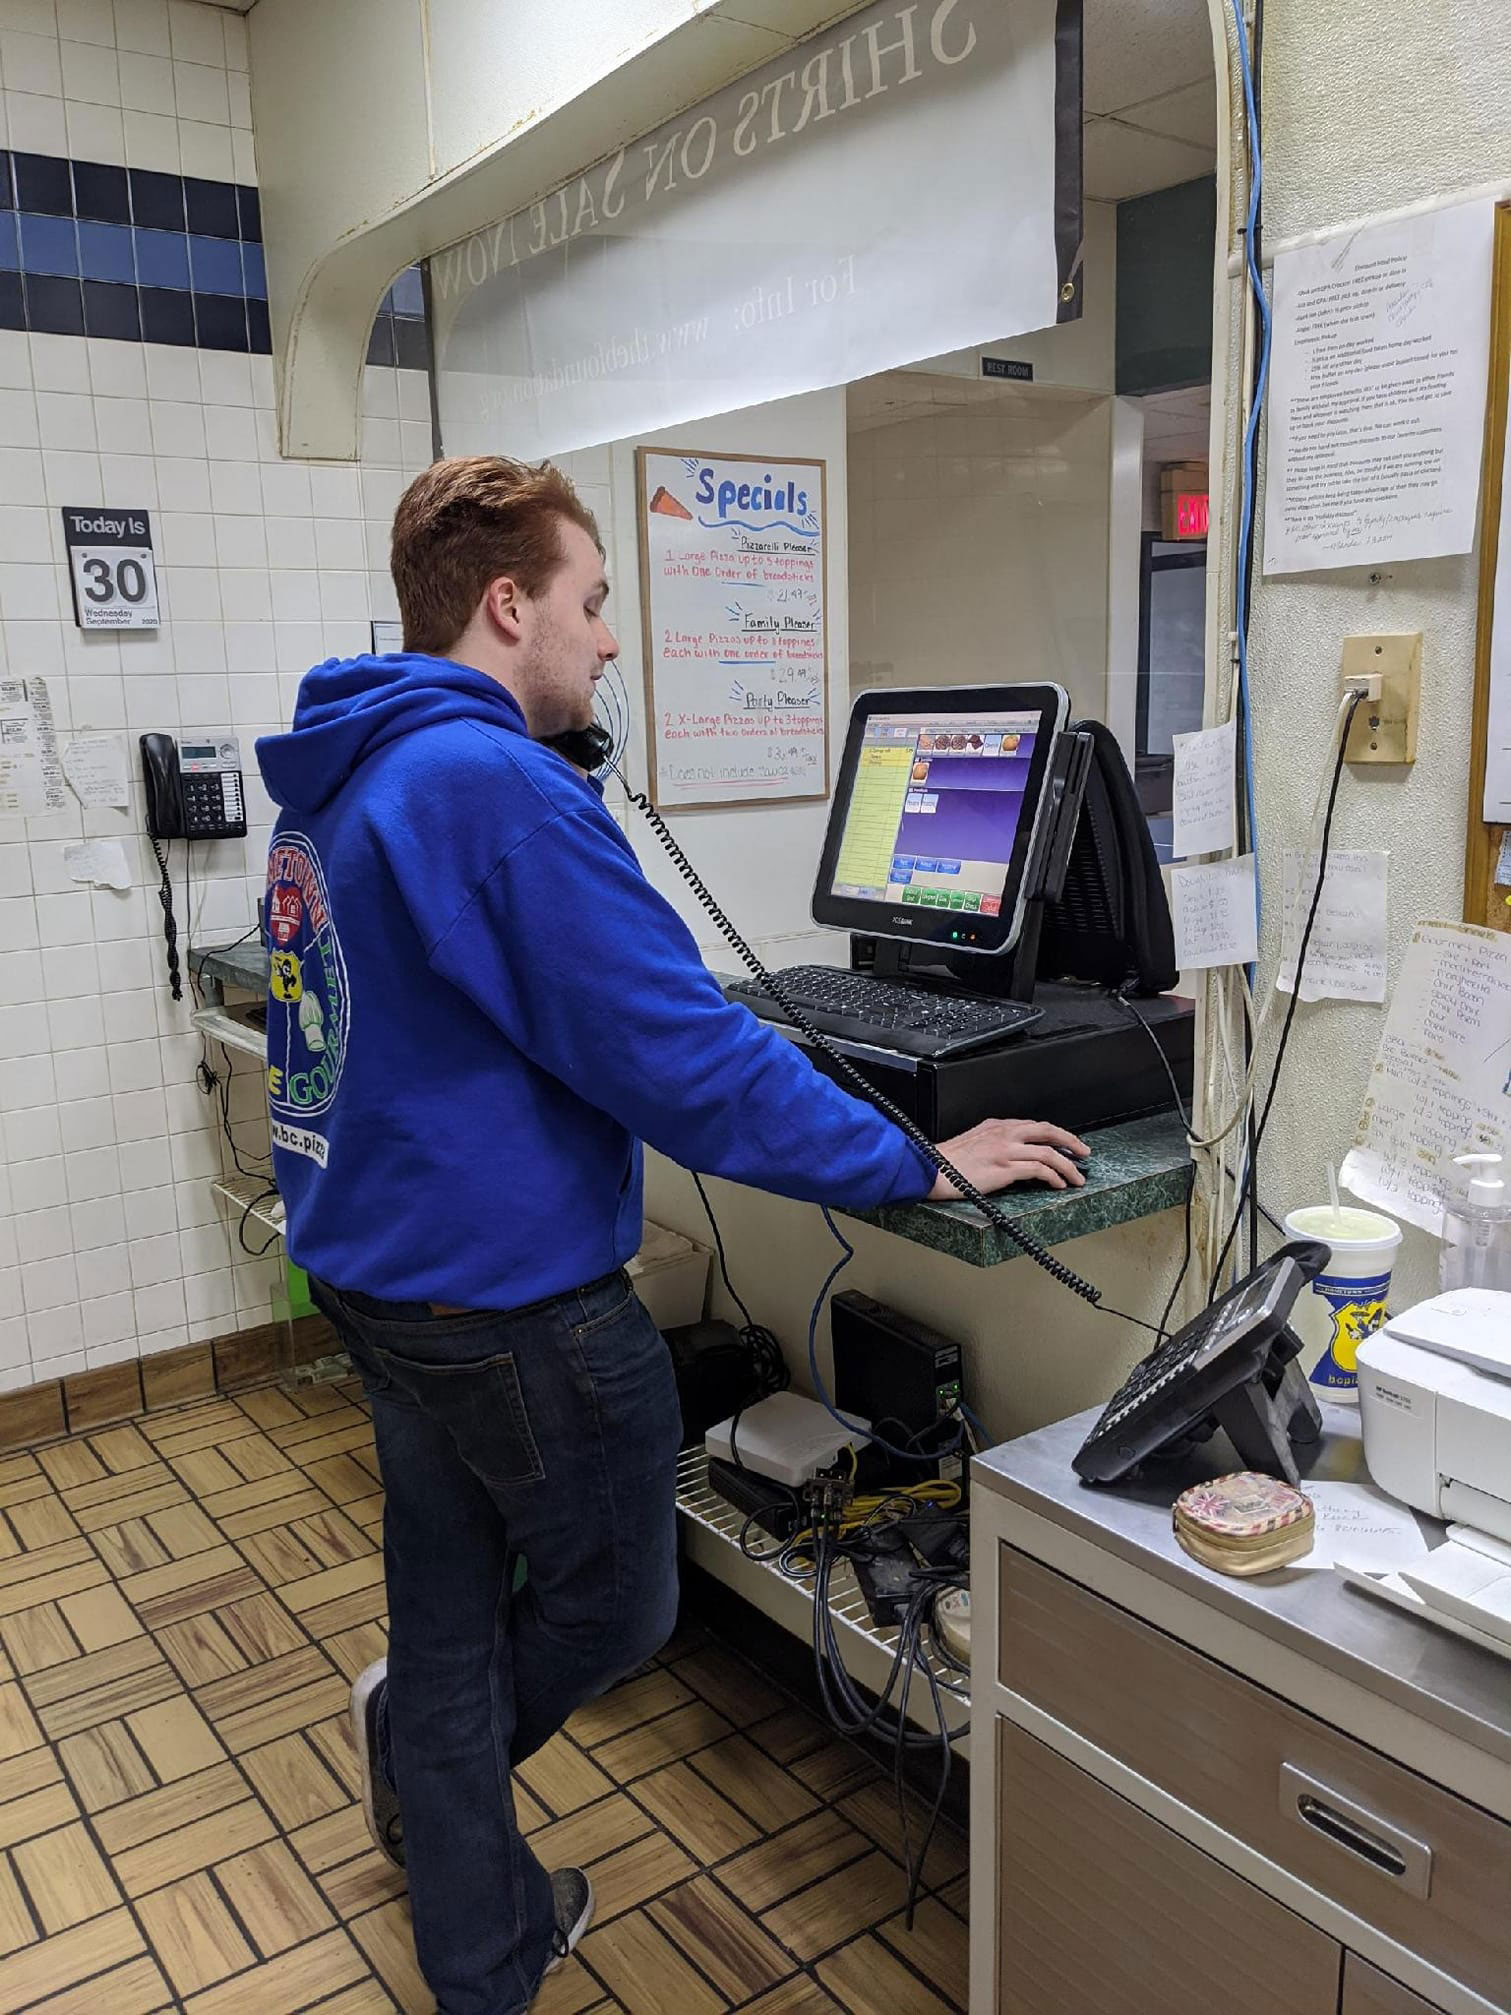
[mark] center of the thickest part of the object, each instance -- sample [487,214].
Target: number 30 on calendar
[110,568]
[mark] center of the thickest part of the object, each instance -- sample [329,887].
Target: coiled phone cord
[170,926]
[1024,1240]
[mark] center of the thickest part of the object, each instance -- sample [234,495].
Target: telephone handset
[194,792]
[194,789]
[587,749]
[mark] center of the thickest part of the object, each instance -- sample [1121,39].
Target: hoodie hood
[349,708]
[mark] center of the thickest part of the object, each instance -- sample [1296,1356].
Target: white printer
[1435,1405]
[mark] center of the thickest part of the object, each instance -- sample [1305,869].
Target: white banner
[904,184]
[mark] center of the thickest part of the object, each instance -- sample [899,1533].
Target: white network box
[786,1437]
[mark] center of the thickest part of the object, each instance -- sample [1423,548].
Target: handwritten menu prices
[1441,1082]
[732,563]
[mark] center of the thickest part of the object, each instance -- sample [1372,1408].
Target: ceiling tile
[1189,114]
[1122,161]
[1135,49]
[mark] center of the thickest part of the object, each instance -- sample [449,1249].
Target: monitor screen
[935,808]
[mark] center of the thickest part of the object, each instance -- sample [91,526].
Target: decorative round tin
[1244,1524]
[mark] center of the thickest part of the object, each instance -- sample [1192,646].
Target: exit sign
[1185,506]
[1192,513]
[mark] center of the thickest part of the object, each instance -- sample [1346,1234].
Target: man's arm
[595,978]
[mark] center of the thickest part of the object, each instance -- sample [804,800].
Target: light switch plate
[1385,730]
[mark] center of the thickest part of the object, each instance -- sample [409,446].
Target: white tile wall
[112,1241]
[149,83]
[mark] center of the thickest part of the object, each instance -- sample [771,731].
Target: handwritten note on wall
[1345,954]
[31,777]
[1377,401]
[732,562]
[1213,910]
[1441,1082]
[1204,803]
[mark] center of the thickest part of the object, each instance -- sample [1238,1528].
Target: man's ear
[501,607]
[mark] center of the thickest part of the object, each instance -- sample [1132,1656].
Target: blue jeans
[548,1434]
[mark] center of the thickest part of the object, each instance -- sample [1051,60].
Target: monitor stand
[1010,976]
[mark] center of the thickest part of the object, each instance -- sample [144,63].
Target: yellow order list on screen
[881,785]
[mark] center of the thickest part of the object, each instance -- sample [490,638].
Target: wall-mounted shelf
[233,1027]
[241,1192]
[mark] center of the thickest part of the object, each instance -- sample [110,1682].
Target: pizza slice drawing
[667,505]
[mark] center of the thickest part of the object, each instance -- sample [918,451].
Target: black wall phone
[194,792]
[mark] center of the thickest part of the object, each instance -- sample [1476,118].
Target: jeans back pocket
[480,1404]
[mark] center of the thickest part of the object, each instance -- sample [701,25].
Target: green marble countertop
[1136,1169]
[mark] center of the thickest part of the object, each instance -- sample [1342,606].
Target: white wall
[1368,106]
[979,546]
[111,1241]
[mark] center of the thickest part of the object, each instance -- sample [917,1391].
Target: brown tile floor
[183,1602]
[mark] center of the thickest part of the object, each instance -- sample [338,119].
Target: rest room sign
[110,568]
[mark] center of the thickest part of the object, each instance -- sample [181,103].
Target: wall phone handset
[1024,1240]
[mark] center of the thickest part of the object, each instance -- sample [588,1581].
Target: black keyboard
[859,1009]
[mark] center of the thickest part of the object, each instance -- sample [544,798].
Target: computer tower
[903,1377]
[1086,1064]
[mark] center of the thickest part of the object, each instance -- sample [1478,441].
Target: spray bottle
[1477,1228]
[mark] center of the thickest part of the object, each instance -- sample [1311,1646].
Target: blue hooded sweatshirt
[480,1008]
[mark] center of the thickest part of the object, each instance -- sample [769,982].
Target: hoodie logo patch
[309,1010]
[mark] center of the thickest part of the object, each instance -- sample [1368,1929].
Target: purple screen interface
[934,810]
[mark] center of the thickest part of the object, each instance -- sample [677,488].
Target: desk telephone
[194,792]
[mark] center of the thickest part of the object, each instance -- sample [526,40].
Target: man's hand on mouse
[1004,1151]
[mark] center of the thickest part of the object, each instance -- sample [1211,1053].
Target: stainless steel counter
[1453,1684]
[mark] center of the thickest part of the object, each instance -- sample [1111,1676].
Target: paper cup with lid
[1346,1302]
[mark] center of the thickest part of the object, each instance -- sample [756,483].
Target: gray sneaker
[379,1800]
[572,1893]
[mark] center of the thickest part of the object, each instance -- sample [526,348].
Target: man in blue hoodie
[479,1011]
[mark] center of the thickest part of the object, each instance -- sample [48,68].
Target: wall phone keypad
[212,802]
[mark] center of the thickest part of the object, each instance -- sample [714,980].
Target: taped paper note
[31,779]
[1216,923]
[1345,954]
[1204,798]
[96,767]
[1441,1082]
[101,861]
[1377,393]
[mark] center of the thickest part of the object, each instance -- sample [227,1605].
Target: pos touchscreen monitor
[936,811]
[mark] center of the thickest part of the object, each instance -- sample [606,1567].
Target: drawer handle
[1357,1831]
